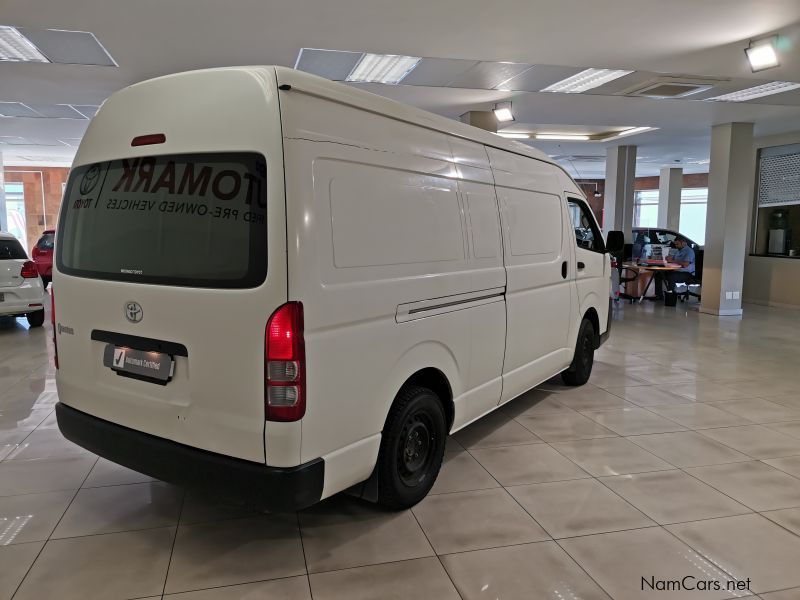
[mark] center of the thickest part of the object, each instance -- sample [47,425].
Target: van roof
[346,94]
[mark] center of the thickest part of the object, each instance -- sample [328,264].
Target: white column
[3,214]
[618,201]
[730,201]
[669,198]
[484,119]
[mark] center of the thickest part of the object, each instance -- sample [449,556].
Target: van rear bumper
[272,488]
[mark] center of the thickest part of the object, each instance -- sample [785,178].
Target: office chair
[696,279]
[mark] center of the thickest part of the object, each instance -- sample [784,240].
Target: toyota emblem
[133,312]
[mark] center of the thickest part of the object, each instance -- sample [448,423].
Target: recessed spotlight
[762,55]
[382,68]
[15,47]
[759,91]
[514,136]
[502,112]
[562,136]
[586,80]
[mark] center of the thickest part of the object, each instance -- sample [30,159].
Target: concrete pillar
[669,198]
[3,214]
[484,119]
[618,201]
[730,201]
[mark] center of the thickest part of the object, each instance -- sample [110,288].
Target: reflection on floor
[680,459]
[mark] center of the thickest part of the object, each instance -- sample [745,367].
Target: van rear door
[165,259]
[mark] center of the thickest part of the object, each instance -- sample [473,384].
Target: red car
[43,255]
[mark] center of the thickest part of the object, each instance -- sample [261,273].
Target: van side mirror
[615,242]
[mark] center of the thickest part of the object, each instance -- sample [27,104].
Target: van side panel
[539,297]
[382,256]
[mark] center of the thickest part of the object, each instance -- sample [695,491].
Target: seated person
[685,258]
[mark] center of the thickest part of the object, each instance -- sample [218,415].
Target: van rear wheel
[412,448]
[581,368]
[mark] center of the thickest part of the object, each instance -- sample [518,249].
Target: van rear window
[195,220]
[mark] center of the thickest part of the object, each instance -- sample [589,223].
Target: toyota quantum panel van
[281,287]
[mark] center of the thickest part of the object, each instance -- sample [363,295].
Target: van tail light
[284,364]
[53,322]
[29,270]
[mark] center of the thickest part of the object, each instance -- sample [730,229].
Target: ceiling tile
[57,111]
[87,110]
[437,72]
[331,64]
[16,109]
[69,47]
[487,75]
[538,77]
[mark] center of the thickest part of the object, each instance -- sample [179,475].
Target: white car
[21,288]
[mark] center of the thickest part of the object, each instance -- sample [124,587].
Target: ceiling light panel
[759,91]
[438,72]
[382,68]
[586,80]
[69,47]
[488,75]
[331,64]
[15,47]
[514,136]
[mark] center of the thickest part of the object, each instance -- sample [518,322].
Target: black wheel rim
[415,451]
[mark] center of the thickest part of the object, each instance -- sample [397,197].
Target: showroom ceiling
[474,55]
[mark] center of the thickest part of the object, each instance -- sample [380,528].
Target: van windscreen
[195,220]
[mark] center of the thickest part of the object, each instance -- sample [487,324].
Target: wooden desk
[655,269]
[646,273]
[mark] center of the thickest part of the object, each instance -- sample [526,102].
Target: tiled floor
[681,458]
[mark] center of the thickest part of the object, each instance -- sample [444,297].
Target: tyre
[412,447]
[35,319]
[581,368]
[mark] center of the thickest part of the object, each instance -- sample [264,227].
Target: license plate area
[154,367]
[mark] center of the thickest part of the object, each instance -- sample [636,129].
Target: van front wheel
[412,447]
[581,367]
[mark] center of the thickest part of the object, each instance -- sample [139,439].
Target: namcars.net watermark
[691,583]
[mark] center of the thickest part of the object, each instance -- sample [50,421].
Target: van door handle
[581,266]
[564,270]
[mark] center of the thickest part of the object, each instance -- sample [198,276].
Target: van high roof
[353,96]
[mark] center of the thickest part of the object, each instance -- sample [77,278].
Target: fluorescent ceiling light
[586,80]
[382,68]
[513,136]
[759,91]
[762,55]
[15,47]
[562,136]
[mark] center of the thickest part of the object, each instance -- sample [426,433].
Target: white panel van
[283,287]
